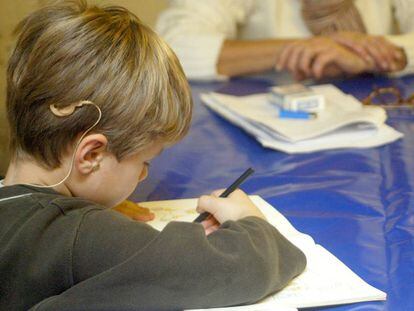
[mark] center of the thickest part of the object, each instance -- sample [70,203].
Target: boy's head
[70,52]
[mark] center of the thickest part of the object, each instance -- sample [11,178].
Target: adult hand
[320,57]
[377,49]
[236,206]
[134,211]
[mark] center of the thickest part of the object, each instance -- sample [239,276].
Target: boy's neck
[29,172]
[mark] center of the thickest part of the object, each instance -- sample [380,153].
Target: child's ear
[90,153]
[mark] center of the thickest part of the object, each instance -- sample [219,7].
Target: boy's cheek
[143,175]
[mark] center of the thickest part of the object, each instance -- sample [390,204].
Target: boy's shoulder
[23,198]
[27,212]
[65,204]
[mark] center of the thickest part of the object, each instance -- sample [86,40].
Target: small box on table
[297,97]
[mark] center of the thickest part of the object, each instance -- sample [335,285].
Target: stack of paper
[325,281]
[345,122]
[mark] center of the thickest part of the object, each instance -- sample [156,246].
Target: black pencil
[226,193]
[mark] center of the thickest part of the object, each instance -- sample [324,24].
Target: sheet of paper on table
[345,122]
[325,281]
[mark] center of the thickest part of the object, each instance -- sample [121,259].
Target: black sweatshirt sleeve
[120,264]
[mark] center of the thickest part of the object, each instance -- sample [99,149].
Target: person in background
[310,38]
[93,95]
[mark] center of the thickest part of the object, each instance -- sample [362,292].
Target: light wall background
[12,11]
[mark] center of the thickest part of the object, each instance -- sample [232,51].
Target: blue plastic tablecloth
[357,203]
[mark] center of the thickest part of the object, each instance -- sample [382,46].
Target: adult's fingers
[305,63]
[379,50]
[393,52]
[321,61]
[356,46]
[375,50]
[284,55]
[294,58]
[382,53]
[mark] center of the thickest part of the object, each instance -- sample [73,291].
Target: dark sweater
[62,253]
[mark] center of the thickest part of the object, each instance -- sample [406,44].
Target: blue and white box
[297,97]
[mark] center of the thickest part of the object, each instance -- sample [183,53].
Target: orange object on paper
[134,211]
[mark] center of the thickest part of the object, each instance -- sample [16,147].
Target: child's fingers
[200,204]
[218,192]
[210,222]
[207,203]
[210,225]
[236,206]
[211,229]
[237,192]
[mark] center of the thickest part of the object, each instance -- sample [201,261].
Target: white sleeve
[404,14]
[196,29]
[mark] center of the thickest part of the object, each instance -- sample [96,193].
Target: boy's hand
[210,225]
[134,211]
[236,206]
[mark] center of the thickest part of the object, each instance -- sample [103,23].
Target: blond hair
[70,52]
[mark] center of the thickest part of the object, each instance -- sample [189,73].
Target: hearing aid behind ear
[68,110]
[64,112]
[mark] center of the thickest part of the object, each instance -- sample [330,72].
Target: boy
[93,95]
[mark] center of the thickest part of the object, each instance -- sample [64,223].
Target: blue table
[359,204]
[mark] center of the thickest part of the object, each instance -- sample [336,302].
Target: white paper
[325,281]
[344,138]
[256,307]
[345,123]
